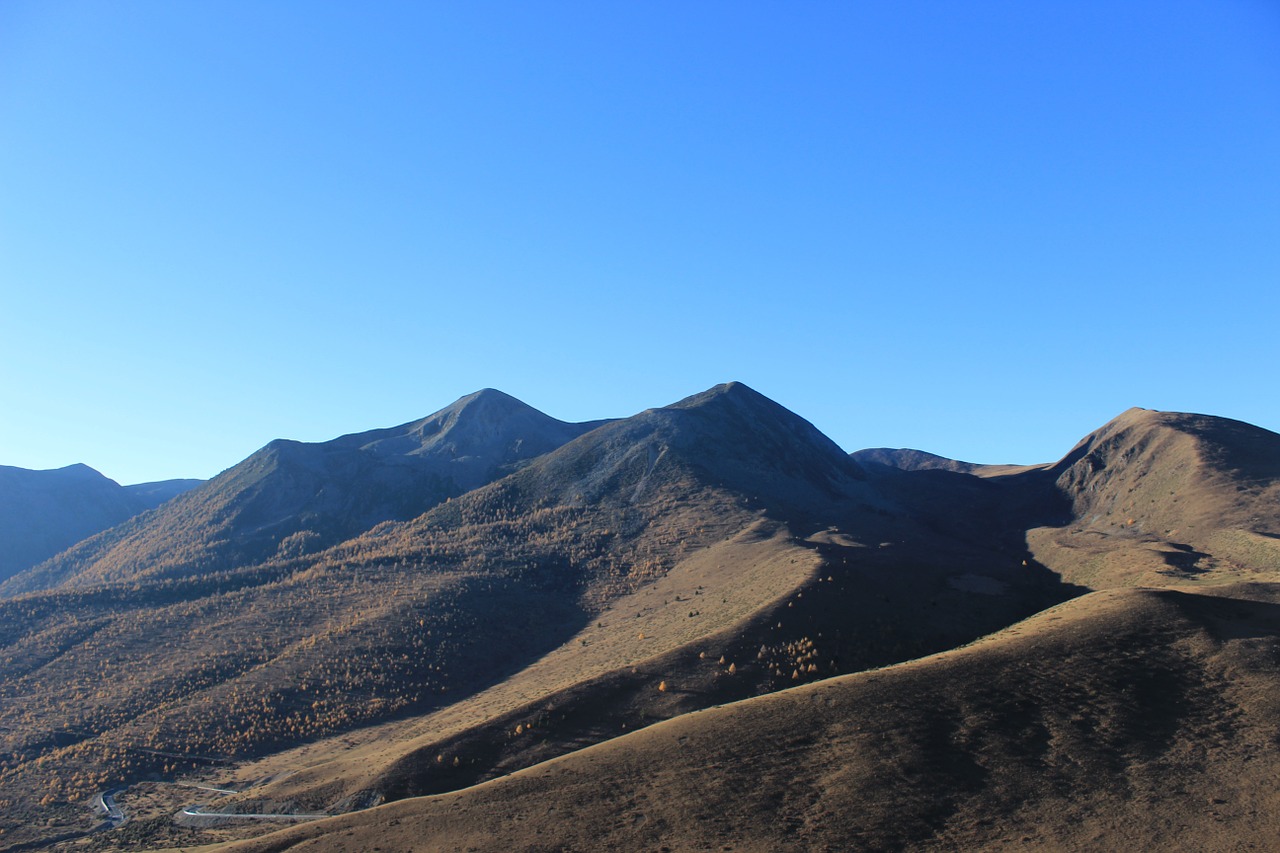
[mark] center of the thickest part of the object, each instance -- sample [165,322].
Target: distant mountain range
[44,512]
[414,610]
[292,498]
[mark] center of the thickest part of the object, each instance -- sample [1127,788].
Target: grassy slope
[780,611]
[108,686]
[1133,719]
[1196,499]
[1165,498]
[870,587]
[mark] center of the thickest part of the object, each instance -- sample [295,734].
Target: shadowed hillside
[403,619]
[1151,498]
[720,547]
[1131,719]
[44,512]
[906,459]
[847,597]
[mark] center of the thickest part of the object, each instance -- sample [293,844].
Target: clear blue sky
[976,228]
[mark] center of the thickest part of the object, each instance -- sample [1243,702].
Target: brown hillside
[1149,499]
[751,615]
[639,545]
[721,546]
[1165,497]
[696,555]
[1129,719]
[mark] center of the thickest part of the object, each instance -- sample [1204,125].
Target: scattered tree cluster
[169,671]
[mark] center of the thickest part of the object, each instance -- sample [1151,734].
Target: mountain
[721,527]
[292,497]
[44,512]
[906,459]
[151,495]
[1150,498]
[729,437]
[714,559]
[1164,497]
[735,533]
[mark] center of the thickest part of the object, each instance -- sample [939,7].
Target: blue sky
[976,228]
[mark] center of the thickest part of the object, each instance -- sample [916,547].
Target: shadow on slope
[1124,719]
[1150,498]
[607,517]
[852,607]
[1165,497]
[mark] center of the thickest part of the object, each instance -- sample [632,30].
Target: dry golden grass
[728,583]
[1128,719]
[1162,498]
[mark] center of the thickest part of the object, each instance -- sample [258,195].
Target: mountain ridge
[907,459]
[1162,493]
[292,497]
[709,551]
[43,512]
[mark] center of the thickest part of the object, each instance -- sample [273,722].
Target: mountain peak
[316,494]
[79,470]
[1237,443]
[1136,415]
[751,438]
[43,512]
[491,397]
[736,391]
[488,405]
[486,410]
[908,459]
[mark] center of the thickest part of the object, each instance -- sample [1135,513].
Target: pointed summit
[728,437]
[488,404]
[472,440]
[750,425]
[293,497]
[724,391]
[43,512]
[78,471]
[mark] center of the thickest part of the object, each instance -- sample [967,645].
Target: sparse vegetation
[146,669]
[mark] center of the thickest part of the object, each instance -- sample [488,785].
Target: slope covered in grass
[1130,719]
